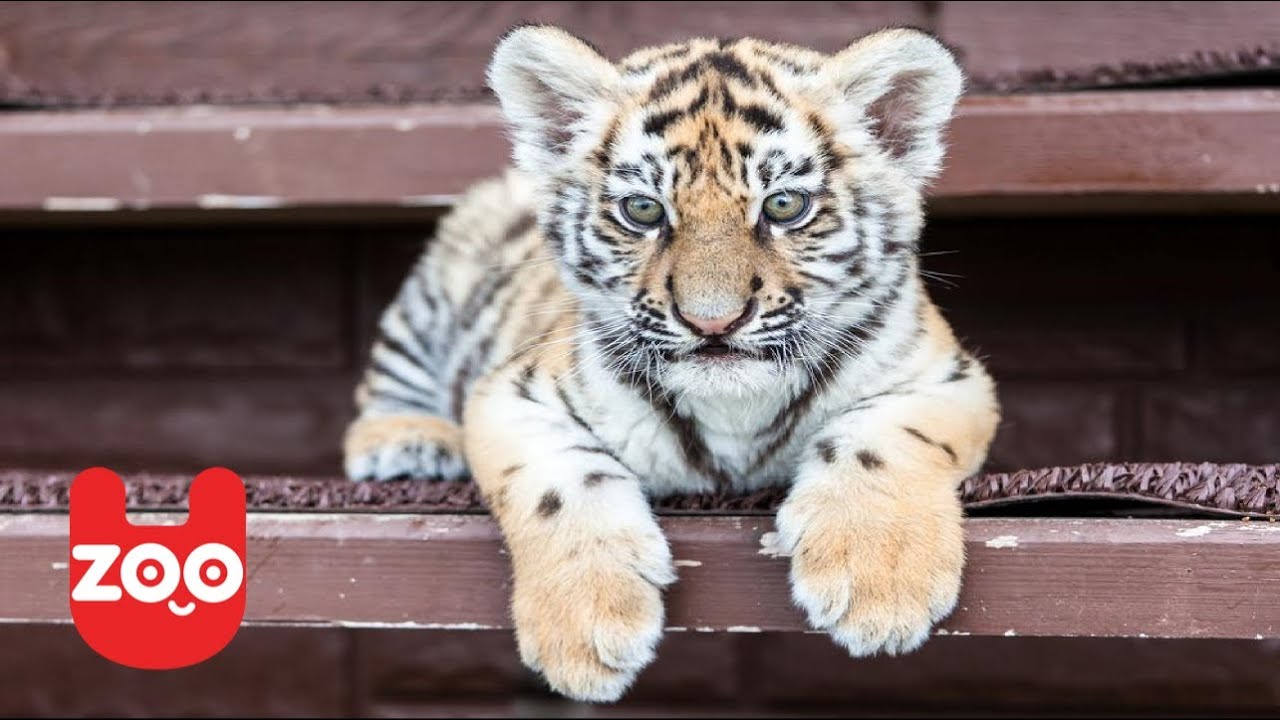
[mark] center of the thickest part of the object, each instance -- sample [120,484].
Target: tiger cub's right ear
[557,93]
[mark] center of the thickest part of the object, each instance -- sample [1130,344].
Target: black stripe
[729,66]
[961,369]
[382,369]
[944,447]
[841,258]
[421,340]
[657,124]
[669,83]
[688,435]
[672,54]
[763,119]
[784,61]
[409,400]
[628,171]
[595,450]
[568,406]
[826,450]
[468,373]
[595,478]
[789,417]
[393,345]
[818,278]
[524,382]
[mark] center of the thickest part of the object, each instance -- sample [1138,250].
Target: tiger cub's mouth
[715,350]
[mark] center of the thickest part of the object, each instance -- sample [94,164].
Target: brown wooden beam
[1036,577]
[1212,143]
[58,54]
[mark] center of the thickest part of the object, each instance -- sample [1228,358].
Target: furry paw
[387,447]
[591,621]
[876,588]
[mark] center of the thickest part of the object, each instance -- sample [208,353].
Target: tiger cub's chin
[727,375]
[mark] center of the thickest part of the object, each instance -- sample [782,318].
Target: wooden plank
[112,53]
[1195,141]
[1006,38]
[1031,577]
[149,53]
[1212,143]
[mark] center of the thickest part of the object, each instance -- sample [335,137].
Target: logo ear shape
[98,497]
[216,495]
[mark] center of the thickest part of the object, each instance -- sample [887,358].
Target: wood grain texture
[998,38]
[75,54]
[1027,577]
[182,51]
[1210,143]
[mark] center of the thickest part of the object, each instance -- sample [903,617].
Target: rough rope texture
[1233,490]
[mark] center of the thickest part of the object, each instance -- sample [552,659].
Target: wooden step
[1025,576]
[1190,148]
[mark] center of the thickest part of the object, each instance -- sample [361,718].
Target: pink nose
[723,325]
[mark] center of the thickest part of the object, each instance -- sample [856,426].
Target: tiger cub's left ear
[901,85]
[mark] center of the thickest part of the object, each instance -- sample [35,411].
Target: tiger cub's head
[730,211]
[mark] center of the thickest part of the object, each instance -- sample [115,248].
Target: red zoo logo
[151,596]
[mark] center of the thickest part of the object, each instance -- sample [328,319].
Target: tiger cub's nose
[723,325]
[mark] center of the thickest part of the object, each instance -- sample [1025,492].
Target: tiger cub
[701,275]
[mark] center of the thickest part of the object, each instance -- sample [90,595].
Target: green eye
[786,206]
[643,211]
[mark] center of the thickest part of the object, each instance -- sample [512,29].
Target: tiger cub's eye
[786,206]
[643,211]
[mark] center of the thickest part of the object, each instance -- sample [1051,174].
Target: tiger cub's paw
[590,623]
[388,447]
[874,589]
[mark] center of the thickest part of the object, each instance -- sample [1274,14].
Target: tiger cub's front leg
[874,521]
[588,559]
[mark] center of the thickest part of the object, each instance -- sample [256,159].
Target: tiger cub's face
[729,211]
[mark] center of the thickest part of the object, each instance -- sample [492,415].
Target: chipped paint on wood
[426,200]
[1003,541]
[82,204]
[216,201]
